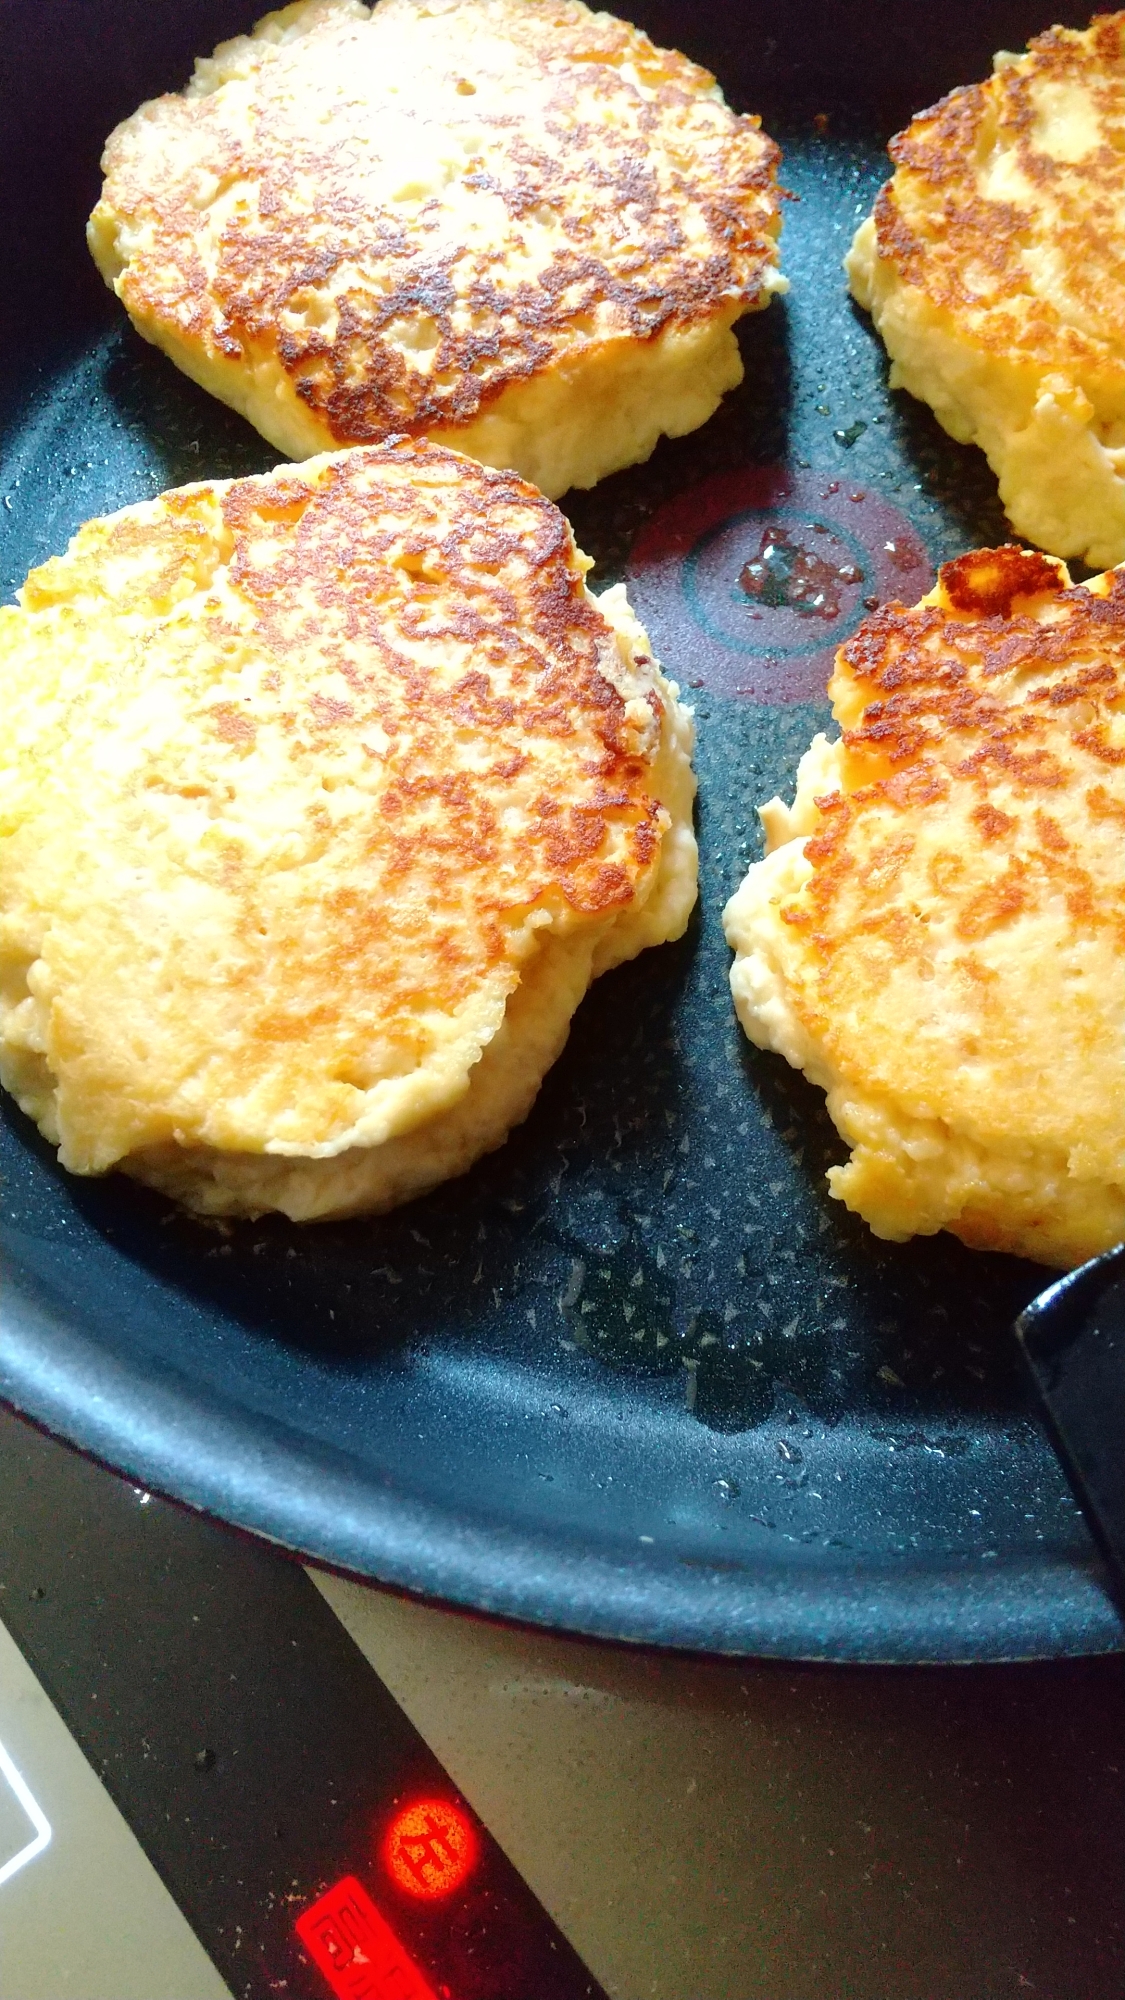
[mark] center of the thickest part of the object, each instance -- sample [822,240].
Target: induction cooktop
[312,1842]
[204,1785]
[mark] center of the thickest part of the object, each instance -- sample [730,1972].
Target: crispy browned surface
[1003,681]
[997,710]
[349,735]
[602,193]
[937,935]
[1042,273]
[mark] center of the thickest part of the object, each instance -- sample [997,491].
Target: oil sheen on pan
[750,581]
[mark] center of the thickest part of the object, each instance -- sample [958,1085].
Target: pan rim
[319,1505]
[937,1608]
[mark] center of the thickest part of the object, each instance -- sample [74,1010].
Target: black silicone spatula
[1073,1338]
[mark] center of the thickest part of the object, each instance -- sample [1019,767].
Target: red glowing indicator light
[356,1949]
[430,1848]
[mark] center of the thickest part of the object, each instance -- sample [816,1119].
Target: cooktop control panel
[206,1789]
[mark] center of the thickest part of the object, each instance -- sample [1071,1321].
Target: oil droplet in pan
[787,575]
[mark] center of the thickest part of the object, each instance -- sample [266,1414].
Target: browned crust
[968,253]
[621,172]
[356,583]
[501,578]
[992,715]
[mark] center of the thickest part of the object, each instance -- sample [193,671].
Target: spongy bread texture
[323,797]
[994,268]
[513,226]
[937,933]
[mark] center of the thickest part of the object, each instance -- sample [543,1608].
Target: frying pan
[636,1375]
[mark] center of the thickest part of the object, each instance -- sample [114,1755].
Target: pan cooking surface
[636,1374]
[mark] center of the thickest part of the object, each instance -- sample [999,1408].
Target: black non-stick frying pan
[636,1375]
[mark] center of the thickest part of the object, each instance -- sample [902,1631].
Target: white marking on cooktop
[34,1813]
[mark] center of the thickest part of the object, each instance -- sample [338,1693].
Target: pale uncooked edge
[606,407]
[1059,485]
